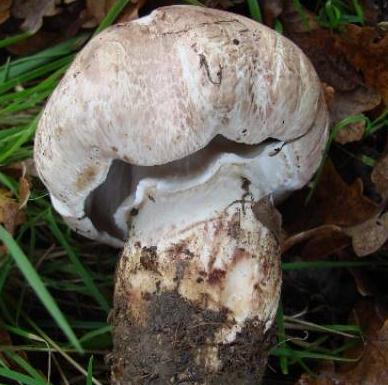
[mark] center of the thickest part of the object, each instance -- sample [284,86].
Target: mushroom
[174,135]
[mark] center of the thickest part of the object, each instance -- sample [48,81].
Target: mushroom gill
[122,181]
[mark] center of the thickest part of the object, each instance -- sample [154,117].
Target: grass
[335,13]
[371,126]
[56,290]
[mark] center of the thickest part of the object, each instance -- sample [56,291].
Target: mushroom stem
[196,306]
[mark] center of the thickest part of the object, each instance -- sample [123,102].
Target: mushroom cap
[153,91]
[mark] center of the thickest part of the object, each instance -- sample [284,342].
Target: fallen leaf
[266,212]
[321,246]
[367,49]
[10,215]
[334,202]
[328,93]
[345,103]
[96,10]
[30,167]
[271,9]
[341,204]
[24,192]
[303,236]
[5,5]
[298,21]
[5,13]
[380,176]
[320,46]
[319,243]
[351,133]
[32,11]
[364,286]
[131,11]
[334,68]
[368,237]
[4,16]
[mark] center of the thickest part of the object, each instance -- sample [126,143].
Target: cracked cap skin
[160,88]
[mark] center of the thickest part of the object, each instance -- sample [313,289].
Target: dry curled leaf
[328,93]
[367,49]
[24,192]
[271,9]
[369,236]
[5,5]
[351,133]
[324,245]
[5,13]
[303,236]
[96,10]
[10,215]
[267,214]
[338,203]
[350,96]
[320,46]
[32,11]
[334,202]
[345,103]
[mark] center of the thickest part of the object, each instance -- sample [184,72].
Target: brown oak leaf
[367,49]
[10,215]
[369,236]
[32,11]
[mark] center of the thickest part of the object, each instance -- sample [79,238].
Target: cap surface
[158,89]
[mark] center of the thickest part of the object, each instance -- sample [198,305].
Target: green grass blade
[95,333]
[296,4]
[254,10]
[36,73]
[8,182]
[281,334]
[5,269]
[25,136]
[111,16]
[89,378]
[6,70]
[300,354]
[29,63]
[37,285]
[14,39]
[82,271]
[287,266]
[359,11]
[26,366]
[21,378]
[278,26]
[378,123]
